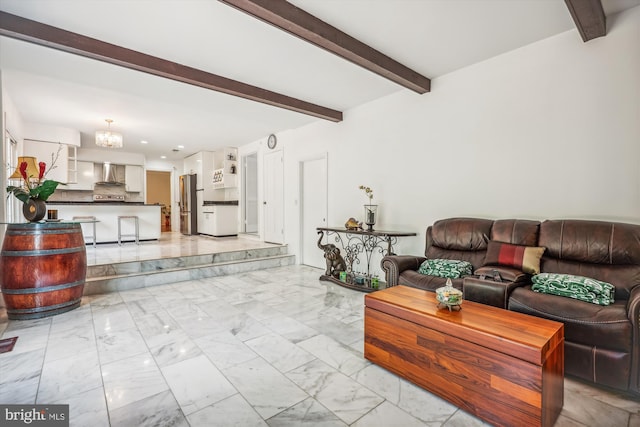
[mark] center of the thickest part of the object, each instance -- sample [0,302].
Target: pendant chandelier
[108,139]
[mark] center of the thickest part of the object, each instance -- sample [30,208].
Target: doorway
[314,210]
[250,193]
[159,192]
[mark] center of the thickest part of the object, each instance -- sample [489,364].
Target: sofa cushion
[449,268]
[459,234]
[606,251]
[526,258]
[516,231]
[577,287]
[584,323]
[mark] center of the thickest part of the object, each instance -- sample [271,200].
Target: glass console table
[354,243]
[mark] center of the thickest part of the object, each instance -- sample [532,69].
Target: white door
[313,200]
[250,184]
[273,202]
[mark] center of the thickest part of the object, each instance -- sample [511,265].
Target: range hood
[109,174]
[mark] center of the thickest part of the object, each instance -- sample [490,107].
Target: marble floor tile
[407,396]
[588,411]
[289,328]
[232,411]
[219,309]
[197,383]
[343,396]
[159,328]
[308,413]
[144,307]
[158,410]
[33,336]
[243,327]
[335,354]
[257,309]
[385,415]
[132,379]
[68,377]
[225,350]
[87,409]
[20,376]
[71,343]
[112,318]
[280,352]
[177,350]
[339,331]
[200,325]
[264,387]
[120,344]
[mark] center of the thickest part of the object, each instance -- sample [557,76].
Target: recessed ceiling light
[144,142]
[163,157]
[181,146]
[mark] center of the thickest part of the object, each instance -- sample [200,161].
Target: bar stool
[137,228]
[93,222]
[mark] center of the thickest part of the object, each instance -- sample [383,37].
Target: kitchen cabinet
[84,177]
[134,178]
[206,225]
[72,164]
[219,220]
[201,164]
[45,152]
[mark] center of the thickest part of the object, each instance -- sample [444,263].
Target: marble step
[133,275]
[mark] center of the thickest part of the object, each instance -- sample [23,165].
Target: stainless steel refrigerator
[188,205]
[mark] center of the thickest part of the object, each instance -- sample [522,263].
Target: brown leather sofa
[602,343]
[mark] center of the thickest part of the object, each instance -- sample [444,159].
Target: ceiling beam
[589,17]
[45,35]
[287,17]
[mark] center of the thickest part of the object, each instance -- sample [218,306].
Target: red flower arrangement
[35,188]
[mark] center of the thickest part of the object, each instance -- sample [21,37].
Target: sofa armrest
[393,265]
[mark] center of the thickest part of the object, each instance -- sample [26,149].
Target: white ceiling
[434,37]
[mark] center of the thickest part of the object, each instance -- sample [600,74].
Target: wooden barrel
[43,269]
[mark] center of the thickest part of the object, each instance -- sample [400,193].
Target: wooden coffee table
[504,367]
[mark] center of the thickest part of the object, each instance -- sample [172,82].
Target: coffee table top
[520,335]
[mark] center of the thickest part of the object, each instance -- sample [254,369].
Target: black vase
[34,209]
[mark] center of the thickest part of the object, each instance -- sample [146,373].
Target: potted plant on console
[36,189]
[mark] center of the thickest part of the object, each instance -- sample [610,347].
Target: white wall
[551,130]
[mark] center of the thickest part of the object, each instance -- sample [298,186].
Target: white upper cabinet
[201,164]
[134,178]
[85,178]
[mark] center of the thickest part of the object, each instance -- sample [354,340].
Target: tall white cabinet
[134,178]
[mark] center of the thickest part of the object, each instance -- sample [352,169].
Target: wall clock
[272,141]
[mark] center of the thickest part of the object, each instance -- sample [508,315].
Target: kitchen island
[107,213]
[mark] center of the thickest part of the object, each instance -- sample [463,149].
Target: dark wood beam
[588,16]
[45,35]
[287,17]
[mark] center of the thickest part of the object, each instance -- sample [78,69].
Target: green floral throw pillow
[577,287]
[449,268]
